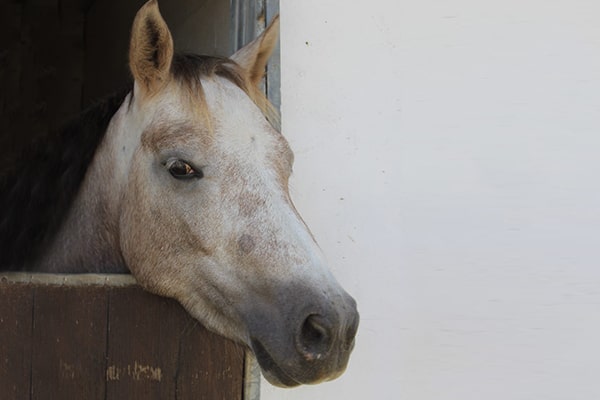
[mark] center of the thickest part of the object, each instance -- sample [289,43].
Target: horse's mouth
[271,371]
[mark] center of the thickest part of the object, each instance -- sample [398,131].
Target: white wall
[447,161]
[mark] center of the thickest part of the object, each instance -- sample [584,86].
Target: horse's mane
[189,68]
[40,180]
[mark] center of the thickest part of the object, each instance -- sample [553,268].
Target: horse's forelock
[189,69]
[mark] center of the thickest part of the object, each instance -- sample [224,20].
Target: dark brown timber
[103,337]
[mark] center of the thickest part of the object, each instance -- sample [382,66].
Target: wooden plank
[69,340]
[210,366]
[103,337]
[157,351]
[143,345]
[16,314]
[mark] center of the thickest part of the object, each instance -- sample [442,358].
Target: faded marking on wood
[68,329]
[136,371]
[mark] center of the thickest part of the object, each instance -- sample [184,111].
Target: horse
[182,180]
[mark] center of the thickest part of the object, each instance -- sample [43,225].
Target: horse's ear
[254,56]
[150,49]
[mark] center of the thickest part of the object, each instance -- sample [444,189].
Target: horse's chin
[269,368]
[282,382]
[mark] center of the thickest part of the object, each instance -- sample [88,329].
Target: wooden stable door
[103,337]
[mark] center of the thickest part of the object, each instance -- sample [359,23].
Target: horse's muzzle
[308,346]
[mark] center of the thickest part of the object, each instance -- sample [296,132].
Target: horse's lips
[272,372]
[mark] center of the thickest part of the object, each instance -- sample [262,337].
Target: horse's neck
[88,240]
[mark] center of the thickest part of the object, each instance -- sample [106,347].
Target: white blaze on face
[254,165]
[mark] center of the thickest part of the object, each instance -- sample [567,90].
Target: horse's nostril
[314,339]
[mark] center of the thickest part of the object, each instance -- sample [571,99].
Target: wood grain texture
[16,317]
[211,368]
[68,338]
[143,345]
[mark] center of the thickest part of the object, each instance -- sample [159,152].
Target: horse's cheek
[136,236]
[129,236]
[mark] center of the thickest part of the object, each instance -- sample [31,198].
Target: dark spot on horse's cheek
[246,244]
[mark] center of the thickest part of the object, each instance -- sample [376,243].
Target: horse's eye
[182,170]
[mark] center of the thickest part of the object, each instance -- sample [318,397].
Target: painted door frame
[248,20]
